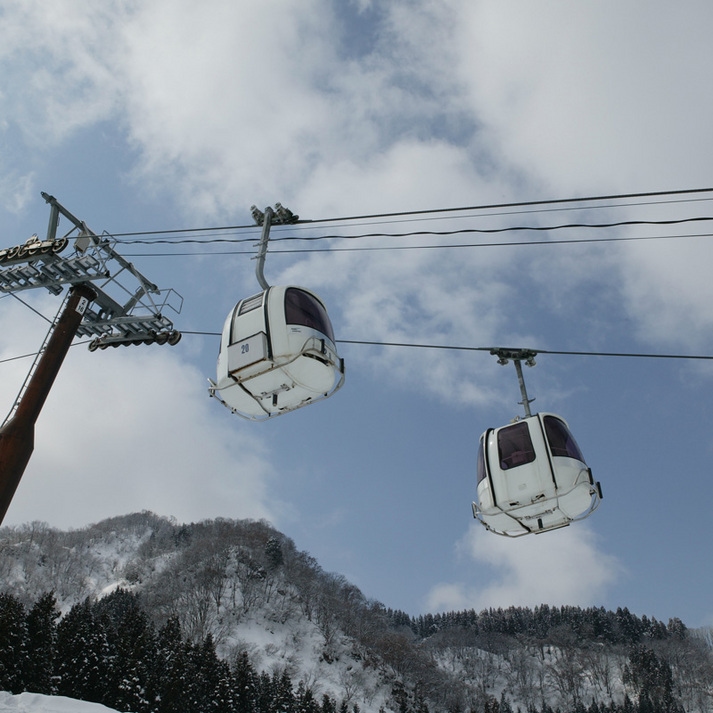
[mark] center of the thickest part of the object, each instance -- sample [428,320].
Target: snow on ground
[37,703]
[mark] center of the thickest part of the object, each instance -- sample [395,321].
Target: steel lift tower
[108,299]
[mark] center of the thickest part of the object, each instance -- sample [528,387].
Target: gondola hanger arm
[279,216]
[518,356]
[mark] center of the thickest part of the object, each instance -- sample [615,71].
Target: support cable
[450,347]
[399,214]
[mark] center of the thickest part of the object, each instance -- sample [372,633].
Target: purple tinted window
[561,441]
[481,461]
[304,309]
[515,446]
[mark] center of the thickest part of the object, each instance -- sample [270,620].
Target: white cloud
[223,97]
[558,568]
[452,103]
[613,102]
[58,66]
[616,103]
[131,429]
[669,292]
[457,102]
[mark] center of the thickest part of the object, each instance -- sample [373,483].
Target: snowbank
[37,703]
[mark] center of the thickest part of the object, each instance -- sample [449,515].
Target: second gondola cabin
[532,478]
[277,354]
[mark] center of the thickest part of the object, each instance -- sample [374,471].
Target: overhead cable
[538,351]
[434,211]
[378,248]
[450,347]
[420,233]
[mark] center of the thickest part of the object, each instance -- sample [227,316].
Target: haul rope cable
[451,246]
[453,347]
[539,203]
[493,206]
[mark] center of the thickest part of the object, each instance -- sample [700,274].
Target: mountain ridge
[248,589]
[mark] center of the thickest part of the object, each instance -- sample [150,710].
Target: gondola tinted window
[561,441]
[301,308]
[481,461]
[515,446]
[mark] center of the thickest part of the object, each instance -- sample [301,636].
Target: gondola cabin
[277,354]
[532,478]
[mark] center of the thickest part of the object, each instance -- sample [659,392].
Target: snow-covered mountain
[241,590]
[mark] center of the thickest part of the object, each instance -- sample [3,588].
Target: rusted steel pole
[17,436]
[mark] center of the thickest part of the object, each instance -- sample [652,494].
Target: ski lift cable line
[637,355]
[30,355]
[417,233]
[291,251]
[445,347]
[523,204]
[310,225]
[433,211]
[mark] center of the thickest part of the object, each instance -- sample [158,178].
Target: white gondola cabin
[532,478]
[277,354]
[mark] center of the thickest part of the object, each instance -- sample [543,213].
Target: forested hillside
[144,614]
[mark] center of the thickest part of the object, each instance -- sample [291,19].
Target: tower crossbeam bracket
[128,308]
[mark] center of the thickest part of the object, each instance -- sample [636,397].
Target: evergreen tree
[652,678]
[208,680]
[83,656]
[13,644]
[265,694]
[328,704]
[284,700]
[41,644]
[135,649]
[168,675]
[273,553]
[244,684]
[304,700]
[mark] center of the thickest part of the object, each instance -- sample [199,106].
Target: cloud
[131,429]
[559,567]
[669,293]
[611,105]
[58,66]
[450,103]
[338,108]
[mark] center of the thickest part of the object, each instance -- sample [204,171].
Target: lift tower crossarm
[85,232]
[17,435]
[122,312]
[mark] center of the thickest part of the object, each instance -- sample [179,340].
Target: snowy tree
[244,684]
[135,651]
[13,644]
[83,655]
[209,687]
[283,695]
[41,644]
[651,678]
[168,675]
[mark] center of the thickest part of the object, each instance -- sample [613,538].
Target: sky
[150,115]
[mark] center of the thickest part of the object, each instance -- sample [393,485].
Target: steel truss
[122,312]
